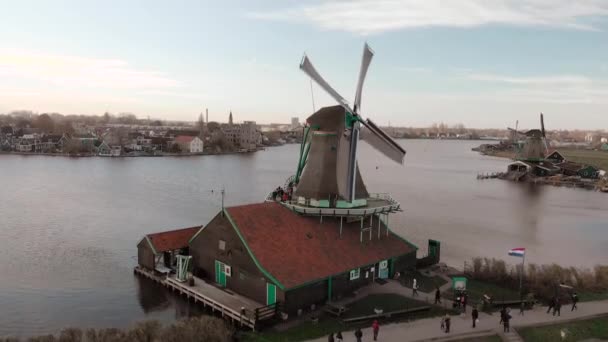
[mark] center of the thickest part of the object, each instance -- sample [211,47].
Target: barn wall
[246,278]
[145,255]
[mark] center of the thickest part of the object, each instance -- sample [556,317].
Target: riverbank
[596,158]
[128,155]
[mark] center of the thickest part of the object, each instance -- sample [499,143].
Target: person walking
[503,314]
[437,296]
[358,334]
[474,316]
[574,301]
[339,337]
[505,321]
[551,304]
[558,307]
[463,303]
[522,307]
[330,338]
[376,329]
[414,288]
[446,323]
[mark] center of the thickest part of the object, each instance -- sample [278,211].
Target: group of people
[283,195]
[358,334]
[461,301]
[555,304]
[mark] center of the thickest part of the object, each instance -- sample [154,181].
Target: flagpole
[521,275]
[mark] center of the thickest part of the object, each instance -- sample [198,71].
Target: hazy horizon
[484,64]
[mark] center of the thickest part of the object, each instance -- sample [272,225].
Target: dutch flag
[517,252]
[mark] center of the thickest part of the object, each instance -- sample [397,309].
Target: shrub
[542,280]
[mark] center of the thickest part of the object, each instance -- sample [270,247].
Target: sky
[482,63]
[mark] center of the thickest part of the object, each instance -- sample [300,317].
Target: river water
[69,227]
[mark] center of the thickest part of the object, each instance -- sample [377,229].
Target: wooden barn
[270,254]
[555,157]
[589,171]
[570,168]
[156,252]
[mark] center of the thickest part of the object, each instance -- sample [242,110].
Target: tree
[213,126]
[45,123]
[106,117]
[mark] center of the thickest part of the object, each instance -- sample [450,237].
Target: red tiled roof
[184,138]
[173,239]
[296,249]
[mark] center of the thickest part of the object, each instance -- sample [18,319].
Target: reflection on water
[150,295]
[69,227]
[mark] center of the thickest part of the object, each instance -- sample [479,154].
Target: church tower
[230,119]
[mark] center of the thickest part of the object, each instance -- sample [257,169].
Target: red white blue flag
[517,252]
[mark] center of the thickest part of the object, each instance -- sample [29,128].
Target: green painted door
[220,273]
[383,269]
[271,294]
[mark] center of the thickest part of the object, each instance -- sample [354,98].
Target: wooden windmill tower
[535,147]
[327,170]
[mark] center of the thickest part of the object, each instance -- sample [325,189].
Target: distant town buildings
[189,143]
[243,136]
[295,123]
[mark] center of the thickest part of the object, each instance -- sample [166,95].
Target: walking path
[429,328]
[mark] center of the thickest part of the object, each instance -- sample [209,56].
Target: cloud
[549,89]
[77,71]
[366,17]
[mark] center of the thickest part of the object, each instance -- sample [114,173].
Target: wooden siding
[145,255]
[246,278]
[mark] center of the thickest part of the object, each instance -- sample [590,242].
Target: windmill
[328,169]
[535,147]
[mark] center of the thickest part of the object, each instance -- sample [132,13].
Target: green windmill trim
[350,119]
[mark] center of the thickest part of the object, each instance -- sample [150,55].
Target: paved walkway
[429,328]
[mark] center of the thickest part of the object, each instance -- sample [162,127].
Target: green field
[491,338]
[589,157]
[574,331]
[476,289]
[595,158]
[329,324]
[425,283]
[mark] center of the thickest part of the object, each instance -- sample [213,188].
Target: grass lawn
[590,296]
[595,158]
[328,324]
[425,283]
[476,289]
[574,331]
[589,157]
[387,302]
[491,338]
[305,331]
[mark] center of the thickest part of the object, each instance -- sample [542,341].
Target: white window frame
[222,245]
[355,274]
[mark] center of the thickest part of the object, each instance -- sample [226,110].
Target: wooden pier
[238,309]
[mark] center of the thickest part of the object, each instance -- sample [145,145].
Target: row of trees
[204,328]
[539,279]
[48,121]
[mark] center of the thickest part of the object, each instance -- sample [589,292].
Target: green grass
[387,302]
[591,296]
[589,157]
[328,324]
[425,283]
[476,289]
[491,338]
[575,331]
[305,331]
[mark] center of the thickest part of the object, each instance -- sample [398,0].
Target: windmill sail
[310,70]
[365,62]
[378,139]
